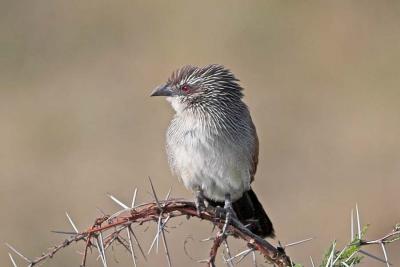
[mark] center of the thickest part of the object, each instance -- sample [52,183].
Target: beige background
[322,82]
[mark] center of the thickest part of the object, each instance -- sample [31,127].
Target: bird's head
[200,88]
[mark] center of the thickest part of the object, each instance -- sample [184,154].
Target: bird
[212,144]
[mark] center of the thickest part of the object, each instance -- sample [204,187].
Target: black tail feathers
[250,212]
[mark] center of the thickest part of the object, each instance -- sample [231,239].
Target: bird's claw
[220,213]
[200,207]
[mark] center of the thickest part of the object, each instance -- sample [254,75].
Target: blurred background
[321,80]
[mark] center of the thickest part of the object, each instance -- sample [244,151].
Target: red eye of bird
[185,88]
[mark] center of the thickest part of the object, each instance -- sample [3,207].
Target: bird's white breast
[203,158]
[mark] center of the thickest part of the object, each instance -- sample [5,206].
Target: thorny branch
[148,212]
[161,211]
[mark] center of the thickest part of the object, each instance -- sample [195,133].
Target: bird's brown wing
[253,168]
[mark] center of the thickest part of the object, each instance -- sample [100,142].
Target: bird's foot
[199,202]
[229,213]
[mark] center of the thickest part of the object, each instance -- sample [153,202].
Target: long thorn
[131,244]
[244,256]
[166,247]
[157,235]
[358,222]
[100,252]
[102,247]
[385,254]
[253,254]
[352,225]
[137,242]
[117,201]
[18,253]
[12,260]
[312,262]
[246,251]
[159,229]
[109,243]
[134,198]
[63,232]
[228,252]
[72,223]
[299,242]
[211,238]
[169,193]
[154,194]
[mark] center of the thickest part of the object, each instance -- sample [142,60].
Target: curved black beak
[162,90]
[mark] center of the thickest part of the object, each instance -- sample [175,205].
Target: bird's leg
[229,212]
[199,201]
[228,205]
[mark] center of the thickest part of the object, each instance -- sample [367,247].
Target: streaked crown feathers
[209,79]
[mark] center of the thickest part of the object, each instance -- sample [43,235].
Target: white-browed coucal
[212,144]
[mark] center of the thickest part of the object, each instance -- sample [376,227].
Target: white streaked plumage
[205,154]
